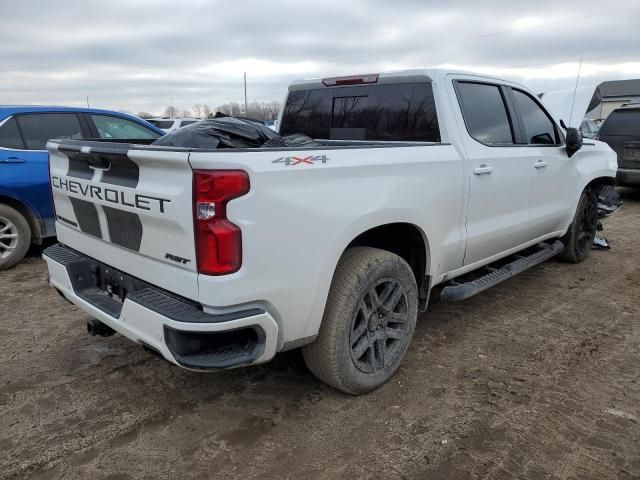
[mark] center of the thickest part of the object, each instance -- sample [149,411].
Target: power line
[556,62]
[488,35]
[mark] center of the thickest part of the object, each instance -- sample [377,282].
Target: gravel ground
[536,378]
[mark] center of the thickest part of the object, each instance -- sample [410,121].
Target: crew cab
[26,209]
[223,258]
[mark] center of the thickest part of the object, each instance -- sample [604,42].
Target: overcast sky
[141,55]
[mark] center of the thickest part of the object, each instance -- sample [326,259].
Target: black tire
[15,236]
[368,321]
[578,240]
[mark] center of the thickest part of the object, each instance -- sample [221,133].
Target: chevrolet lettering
[111,195]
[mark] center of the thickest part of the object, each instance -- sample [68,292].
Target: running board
[456,291]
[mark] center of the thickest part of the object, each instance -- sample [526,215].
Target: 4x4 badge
[310,160]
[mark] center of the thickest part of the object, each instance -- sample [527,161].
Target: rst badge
[301,160]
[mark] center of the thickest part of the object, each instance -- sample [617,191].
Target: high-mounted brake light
[351,80]
[218,241]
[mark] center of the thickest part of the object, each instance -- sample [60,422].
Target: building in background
[613,94]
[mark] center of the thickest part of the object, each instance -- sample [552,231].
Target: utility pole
[88,102]
[246,110]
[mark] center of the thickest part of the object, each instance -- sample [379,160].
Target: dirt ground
[537,378]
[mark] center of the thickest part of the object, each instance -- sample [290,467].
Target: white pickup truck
[222,258]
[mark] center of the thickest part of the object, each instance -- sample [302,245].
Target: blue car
[26,209]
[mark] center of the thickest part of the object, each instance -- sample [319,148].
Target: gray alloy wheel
[379,325]
[8,237]
[15,236]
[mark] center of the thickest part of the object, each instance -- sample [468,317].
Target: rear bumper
[174,326]
[628,177]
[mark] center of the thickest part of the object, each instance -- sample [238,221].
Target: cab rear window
[394,112]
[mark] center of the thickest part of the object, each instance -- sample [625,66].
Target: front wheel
[578,240]
[368,322]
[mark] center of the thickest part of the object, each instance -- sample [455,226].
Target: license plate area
[631,154]
[106,288]
[112,283]
[102,286]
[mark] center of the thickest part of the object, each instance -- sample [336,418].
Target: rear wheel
[15,236]
[578,240]
[368,322]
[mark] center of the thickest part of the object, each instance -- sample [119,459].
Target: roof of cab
[398,76]
[383,77]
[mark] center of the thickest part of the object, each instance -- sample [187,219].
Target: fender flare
[35,221]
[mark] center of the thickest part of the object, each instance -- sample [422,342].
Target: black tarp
[230,132]
[224,132]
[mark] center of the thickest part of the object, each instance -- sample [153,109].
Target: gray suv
[621,131]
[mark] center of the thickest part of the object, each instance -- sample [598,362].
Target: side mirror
[573,141]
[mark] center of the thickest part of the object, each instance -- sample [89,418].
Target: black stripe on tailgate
[123,171]
[87,215]
[125,228]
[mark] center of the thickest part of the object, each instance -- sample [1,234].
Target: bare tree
[171,111]
[185,113]
[197,110]
[144,115]
[206,111]
[256,110]
[232,109]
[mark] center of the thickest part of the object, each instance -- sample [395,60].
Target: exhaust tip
[99,329]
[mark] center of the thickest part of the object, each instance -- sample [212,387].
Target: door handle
[11,160]
[483,170]
[541,164]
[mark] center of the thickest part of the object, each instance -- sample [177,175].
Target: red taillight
[218,241]
[351,80]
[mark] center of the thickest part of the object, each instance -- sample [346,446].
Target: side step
[456,291]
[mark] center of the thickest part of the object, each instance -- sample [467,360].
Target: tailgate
[129,207]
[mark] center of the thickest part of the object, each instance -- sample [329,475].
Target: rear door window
[394,112]
[10,135]
[622,122]
[539,129]
[121,128]
[38,128]
[485,113]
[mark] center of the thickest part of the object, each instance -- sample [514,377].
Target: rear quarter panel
[298,218]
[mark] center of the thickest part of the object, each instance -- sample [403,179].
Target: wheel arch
[410,243]
[32,218]
[599,181]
